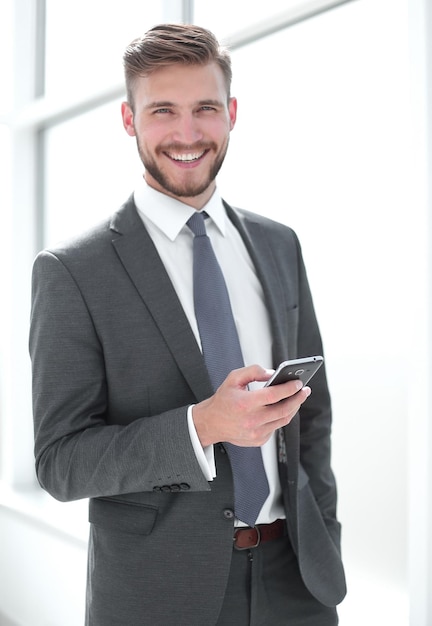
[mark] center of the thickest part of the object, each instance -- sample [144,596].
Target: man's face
[182,123]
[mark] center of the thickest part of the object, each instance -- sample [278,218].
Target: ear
[127,116]
[232,109]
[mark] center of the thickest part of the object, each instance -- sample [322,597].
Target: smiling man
[212,499]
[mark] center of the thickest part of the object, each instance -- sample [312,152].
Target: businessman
[212,499]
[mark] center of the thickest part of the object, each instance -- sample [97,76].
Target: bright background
[333,138]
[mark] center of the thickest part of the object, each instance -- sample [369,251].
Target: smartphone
[301,369]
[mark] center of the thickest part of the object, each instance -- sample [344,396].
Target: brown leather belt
[246,538]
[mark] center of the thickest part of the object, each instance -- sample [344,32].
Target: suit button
[156,488]
[184,486]
[166,488]
[175,488]
[228,514]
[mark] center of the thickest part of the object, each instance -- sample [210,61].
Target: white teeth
[186,157]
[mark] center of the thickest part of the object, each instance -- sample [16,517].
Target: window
[90,162]
[84,42]
[259,16]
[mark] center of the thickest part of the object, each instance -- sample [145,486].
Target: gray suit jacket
[115,366]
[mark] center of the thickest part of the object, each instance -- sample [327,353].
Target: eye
[207,107]
[162,110]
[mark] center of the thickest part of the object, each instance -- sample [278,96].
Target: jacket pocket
[124,517]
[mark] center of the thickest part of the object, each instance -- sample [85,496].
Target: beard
[186,188]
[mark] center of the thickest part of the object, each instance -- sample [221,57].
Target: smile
[186,158]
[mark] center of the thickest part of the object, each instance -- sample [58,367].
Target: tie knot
[197,225]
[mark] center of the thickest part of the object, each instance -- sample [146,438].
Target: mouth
[187,157]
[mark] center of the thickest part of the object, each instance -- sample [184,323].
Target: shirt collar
[169,214]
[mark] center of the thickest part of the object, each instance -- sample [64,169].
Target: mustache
[199,146]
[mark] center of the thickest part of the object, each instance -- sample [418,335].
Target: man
[126,409]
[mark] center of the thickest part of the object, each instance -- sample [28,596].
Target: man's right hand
[243,417]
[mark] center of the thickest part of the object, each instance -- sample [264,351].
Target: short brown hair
[168,44]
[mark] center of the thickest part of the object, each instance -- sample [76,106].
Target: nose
[187,129]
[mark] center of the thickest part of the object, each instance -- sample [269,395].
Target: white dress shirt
[165,219]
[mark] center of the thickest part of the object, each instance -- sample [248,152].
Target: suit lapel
[141,261]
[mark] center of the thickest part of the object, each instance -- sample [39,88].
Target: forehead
[181,84]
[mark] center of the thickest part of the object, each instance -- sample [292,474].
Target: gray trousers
[265,589]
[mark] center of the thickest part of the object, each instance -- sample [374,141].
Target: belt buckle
[248,547]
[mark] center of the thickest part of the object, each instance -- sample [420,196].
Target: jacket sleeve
[79,452]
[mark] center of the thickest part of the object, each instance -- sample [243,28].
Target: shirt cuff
[205,456]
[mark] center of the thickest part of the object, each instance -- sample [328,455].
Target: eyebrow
[216,103]
[159,104]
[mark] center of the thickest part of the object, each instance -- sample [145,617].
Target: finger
[243,376]
[276,393]
[284,410]
[278,416]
